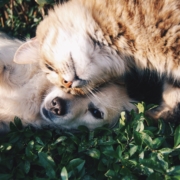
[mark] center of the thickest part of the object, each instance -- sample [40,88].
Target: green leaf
[94,153]
[177,136]
[5,176]
[146,139]
[29,149]
[6,146]
[102,166]
[28,133]
[39,141]
[151,106]
[14,138]
[162,161]
[161,126]
[139,126]
[43,2]
[64,174]
[119,151]
[19,1]
[110,153]
[172,177]
[131,163]
[156,162]
[157,142]
[138,138]
[165,151]
[124,171]
[174,171]
[155,176]
[110,174]
[48,163]
[26,166]
[30,144]
[18,123]
[140,107]
[133,150]
[141,155]
[60,139]
[122,119]
[83,129]
[13,127]
[76,164]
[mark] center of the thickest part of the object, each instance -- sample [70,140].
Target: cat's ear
[27,53]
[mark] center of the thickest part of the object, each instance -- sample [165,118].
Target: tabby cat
[85,43]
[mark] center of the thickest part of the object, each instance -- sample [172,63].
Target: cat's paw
[160,112]
[169,109]
[165,113]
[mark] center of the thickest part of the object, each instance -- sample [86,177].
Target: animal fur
[83,43]
[22,87]
[25,92]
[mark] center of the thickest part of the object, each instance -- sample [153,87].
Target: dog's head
[64,110]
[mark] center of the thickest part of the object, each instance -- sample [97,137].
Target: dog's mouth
[47,114]
[56,108]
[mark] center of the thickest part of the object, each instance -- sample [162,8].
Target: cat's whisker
[96,95]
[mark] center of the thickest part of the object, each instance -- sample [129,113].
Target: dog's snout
[58,106]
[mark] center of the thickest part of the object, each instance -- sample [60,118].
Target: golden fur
[85,43]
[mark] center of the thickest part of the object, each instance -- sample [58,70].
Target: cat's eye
[49,67]
[96,113]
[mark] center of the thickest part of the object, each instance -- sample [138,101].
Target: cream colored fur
[85,43]
[25,92]
[22,87]
[109,101]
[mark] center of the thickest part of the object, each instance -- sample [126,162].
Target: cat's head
[72,51]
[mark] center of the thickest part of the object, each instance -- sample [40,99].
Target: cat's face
[72,62]
[73,53]
[75,63]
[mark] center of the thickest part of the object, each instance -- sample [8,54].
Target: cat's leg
[169,109]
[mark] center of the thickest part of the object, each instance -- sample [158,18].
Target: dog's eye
[49,67]
[96,113]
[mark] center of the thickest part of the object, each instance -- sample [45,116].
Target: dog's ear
[27,53]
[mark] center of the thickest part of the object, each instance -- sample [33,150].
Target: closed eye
[96,113]
[49,67]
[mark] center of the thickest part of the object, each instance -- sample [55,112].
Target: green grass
[135,149]
[20,18]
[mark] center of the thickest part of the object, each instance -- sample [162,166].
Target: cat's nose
[73,83]
[67,84]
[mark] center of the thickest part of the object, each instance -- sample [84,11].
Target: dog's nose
[58,106]
[67,84]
